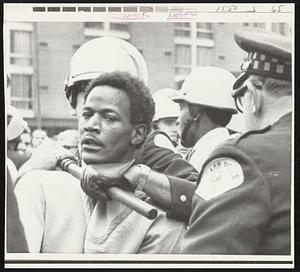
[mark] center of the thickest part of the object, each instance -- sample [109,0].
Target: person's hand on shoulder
[45,157]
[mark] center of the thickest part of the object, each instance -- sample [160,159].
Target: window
[183,30]
[204,35]
[182,33]
[20,48]
[204,56]
[118,27]
[260,25]
[182,59]
[205,26]
[185,25]
[193,44]
[204,31]
[21,91]
[94,25]
[99,29]
[183,54]
[279,28]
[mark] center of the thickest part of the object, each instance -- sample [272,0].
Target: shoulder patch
[219,176]
[163,141]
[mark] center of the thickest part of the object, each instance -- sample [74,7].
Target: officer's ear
[257,96]
[195,111]
[138,134]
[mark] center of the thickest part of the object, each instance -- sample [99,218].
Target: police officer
[15,127]
[242,204]
[166,113]
[206,108]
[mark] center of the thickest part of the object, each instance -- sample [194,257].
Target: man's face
[186,139]
[38,137]
[105,128]
[169,126]
[25,143]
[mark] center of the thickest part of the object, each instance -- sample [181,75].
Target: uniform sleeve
[163,237]
[182,194]
[31,204]
[231,207]
[182,175]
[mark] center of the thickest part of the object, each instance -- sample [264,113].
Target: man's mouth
[89,143]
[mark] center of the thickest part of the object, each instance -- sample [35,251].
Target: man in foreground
[59,217]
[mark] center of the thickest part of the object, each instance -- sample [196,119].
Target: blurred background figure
[15,127]
[166,113]
[38,136]
[68,139]
[25,145]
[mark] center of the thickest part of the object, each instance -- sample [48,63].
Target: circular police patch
[220,176]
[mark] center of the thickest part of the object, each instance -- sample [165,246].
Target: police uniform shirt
[182,175]
[242,204]
[200,152]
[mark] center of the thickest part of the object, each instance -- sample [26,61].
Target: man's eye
[86,114]
[110,118]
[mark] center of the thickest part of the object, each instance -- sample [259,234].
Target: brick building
[37,58]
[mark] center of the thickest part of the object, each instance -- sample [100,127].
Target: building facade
[37,57]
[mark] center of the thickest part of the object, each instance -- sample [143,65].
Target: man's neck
[275,112]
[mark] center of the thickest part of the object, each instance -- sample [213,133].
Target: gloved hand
[96,179]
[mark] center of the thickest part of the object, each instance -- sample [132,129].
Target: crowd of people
[216,189]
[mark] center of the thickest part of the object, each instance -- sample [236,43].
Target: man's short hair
[219,117]
[140,100]
[276,87]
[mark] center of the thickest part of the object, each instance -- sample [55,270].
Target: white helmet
[16,124]
[103,55]
[208,86]
[164,106]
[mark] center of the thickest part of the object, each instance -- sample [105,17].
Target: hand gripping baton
[126,198]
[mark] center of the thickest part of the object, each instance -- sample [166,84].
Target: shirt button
[183,198]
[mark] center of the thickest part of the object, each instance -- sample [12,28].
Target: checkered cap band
[267,66]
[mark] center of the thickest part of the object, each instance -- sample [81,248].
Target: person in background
[166,113]
[25,146]
[15,127]
[68,139]
[206,107]
[38,136]
[242,204]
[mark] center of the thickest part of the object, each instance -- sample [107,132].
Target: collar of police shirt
[206,145]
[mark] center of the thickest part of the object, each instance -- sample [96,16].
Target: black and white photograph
[149,135]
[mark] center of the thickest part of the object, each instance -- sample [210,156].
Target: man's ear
[138,134]
[257,96]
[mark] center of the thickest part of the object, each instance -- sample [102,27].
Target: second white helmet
[164,106]
[208,86]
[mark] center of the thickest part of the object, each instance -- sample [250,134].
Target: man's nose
[93,124]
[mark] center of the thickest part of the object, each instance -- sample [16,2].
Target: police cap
[269,55]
